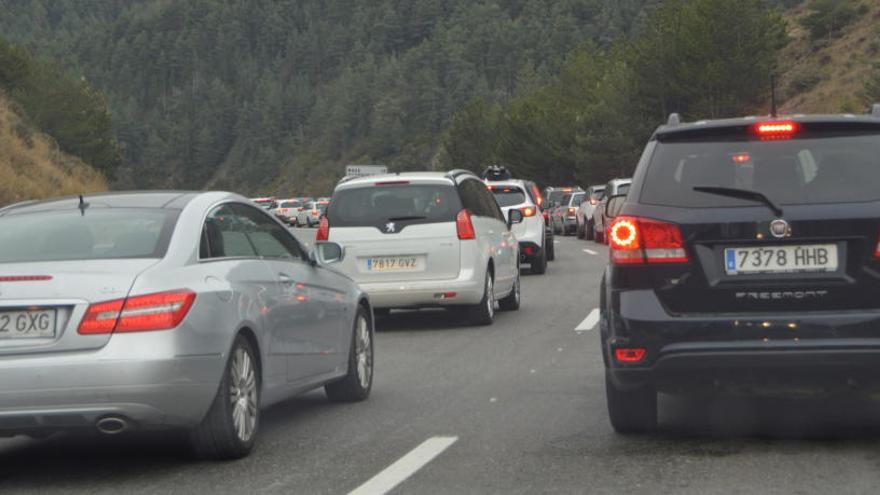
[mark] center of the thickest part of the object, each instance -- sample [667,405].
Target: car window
[490,206]
[99,233]
[577,199]
[623,189]
[472,199]
[814,168]
[234,230]
[407,204]
[508,195]
[269,239]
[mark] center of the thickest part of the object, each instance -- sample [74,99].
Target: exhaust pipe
[112,425]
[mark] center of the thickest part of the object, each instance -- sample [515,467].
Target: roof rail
[459,171]
[673,120]
[875,110]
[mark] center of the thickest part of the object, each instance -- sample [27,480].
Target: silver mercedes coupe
[186,310]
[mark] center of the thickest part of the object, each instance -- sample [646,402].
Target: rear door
[820,254]
[397,230]
[491,228]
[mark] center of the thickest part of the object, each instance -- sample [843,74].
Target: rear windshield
[822,169]
[556,195]
[410,203]
[577,199]
[289,204]
[508,196]
[598,194]
[99,234]
[623,189]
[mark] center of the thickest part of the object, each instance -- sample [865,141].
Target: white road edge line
[405,467]
[590,251]
[589,322]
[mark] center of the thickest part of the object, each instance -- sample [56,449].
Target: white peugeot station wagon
[426,239]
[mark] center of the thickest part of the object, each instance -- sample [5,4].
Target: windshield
[419,203]
[508,195]
[99,234]
[832,169]
[289,204]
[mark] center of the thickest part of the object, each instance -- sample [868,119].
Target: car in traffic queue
[287,210]
[584,214]
[426,239]
[266,203]
[531,234]
[615,187]
[745,259]
[173,310]
[310,214]
[565,218]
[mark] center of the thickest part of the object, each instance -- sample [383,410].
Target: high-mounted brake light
[640,240]
[323,233]
[392,183]
[160,311]
[26,278]
[630,354]
[528,211]
[776,130]
[465,226]
[741,157]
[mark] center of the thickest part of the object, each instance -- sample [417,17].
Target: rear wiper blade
[401,219]
[747,194]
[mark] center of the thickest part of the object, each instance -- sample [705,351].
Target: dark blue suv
[745,258]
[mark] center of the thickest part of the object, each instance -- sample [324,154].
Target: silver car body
[310,214]
[444,263]
[585,211]
[566,218]
[287,210]
[297,314]
[613,188]
[531,229]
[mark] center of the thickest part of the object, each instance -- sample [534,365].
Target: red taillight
[323,230]
[877,249]
[630,354]
[776,130]
[465,226]
[640,240]
[594,201]
[528,211]
[314,213]
[392,183]
[741,158]
[160,311]
[545,215]
[26,278]
[572,212]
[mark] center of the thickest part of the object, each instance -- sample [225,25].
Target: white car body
[411,221]
[531,232]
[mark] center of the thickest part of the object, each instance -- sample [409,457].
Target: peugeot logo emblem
[389,227]
[779,228]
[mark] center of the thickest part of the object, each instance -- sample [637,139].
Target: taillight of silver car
[636,240]
[159,311]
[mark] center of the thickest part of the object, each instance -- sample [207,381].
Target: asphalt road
[517,407]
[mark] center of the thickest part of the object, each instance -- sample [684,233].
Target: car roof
[688,127]
[507,182]
[126,199]
[417,177]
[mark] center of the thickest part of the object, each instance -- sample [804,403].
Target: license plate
[393,264]
[36,324]
[781,259]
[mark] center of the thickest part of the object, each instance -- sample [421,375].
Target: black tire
[588,231]
[216,437]
[581,231]
[357,383]
[550,247]
[512,300]
[483,313]
[631,411]
[539,265]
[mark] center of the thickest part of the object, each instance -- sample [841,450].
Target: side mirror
[514,216]
[327,253]
[614,204]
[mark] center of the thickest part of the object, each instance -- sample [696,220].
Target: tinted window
[598,194]
[820,169]
[470,196]
[489,204]
[508,196]
[408,204]
[100,233]
[577,199]
[623,189]
[242,231]
[555,195]
[289,204]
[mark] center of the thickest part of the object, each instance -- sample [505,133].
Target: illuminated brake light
[528,211]
[160,311]
[392,183]
[594,201]
[776,130]
[630,354]
[465,226]
[639,240]
[572,212]
[26,278]
[323,233]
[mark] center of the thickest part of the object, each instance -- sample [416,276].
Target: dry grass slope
[829,76]
[32,166]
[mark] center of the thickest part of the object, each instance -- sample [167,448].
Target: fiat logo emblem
[779,228]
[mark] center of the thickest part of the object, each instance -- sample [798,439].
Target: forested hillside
[250,94]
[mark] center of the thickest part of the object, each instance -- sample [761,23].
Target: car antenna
[82,205]
[773,111]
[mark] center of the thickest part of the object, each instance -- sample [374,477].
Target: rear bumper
[529,251]
[818,352]
[468,289]
[72,390]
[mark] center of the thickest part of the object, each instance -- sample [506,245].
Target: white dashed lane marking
[589,322]
[405,467]
[590,251]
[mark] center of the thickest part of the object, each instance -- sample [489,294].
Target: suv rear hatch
[397,230]
[55,264]
[512,196]
[818,251]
